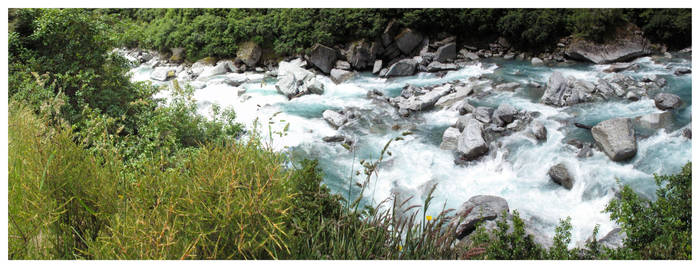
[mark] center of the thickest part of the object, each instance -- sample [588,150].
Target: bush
[659,229]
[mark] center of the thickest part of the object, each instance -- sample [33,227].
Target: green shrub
[659,229]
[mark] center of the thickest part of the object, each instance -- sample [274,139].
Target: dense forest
[99,168]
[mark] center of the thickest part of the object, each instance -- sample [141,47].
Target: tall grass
[233,201]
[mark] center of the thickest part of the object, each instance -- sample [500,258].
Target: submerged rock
[560,175]
[616,138]
[508,86]
[621,66]
[667,101]
[476,210]
[536,61]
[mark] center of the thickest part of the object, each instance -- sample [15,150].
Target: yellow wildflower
[429,218]
[400,248]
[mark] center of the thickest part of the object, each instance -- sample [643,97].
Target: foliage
[659,229]
[595,23]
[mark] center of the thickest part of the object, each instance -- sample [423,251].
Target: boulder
[438,66]
[667,101]
[560,175]
[466,108]
[163,73]
[407,40]
[613,239]
[315,87]
[390,31]
[460,93]
[449,139]
[483,114]
[446,53]
[287,86]
[469,55]
[323,57]
[424,101]
[561,91]
[462,121]
[476,210]
[536,61]
[471,143]
[249,53]
[334,118]
[504,114]
[342,65]
[338,76]
[539,130]
[616,138]
[220,68]
[359,55]
[405,67]
[377,67]
[626,46]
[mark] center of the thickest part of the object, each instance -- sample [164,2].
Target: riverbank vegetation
[217,32]
[100,168]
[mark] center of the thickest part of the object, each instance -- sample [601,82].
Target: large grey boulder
[424,101]
[249,53]
[667,101]
[471,143]
[334,118]
[293,80]
[460,93]
[504,114]
[403,67]
[338,76]
[323,57]
[616,137]
[562,91]
[446,52]
[449,139]
[407,40]
[560,175]
[476,210]
[622,48]
[359,55]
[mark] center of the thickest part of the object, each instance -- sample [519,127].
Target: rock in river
[477,209]
[471,143]
[616,137]
[334,118]
[667,101]
[560,175]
